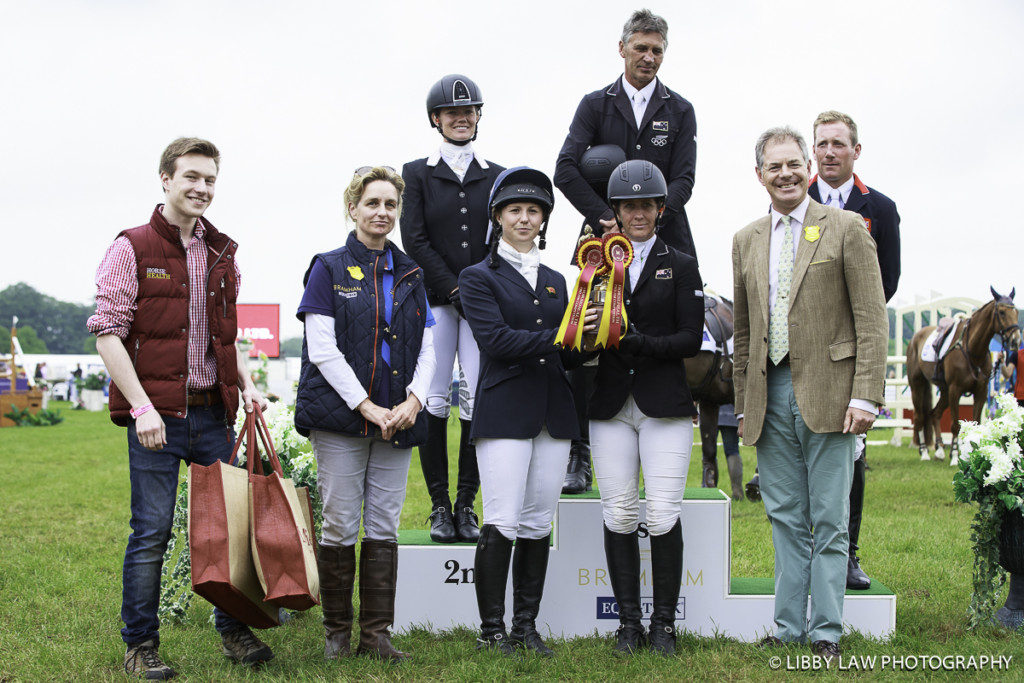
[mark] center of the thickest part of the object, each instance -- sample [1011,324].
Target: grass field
[64,522]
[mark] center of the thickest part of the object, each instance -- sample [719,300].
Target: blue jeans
[201,437]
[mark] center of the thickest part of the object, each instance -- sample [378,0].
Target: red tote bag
[223,571]
[282,540]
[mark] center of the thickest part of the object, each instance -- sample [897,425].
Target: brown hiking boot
[378,573]
[240,645]
[142,661]
[337,566]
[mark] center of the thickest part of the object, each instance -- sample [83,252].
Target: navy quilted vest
[358,326]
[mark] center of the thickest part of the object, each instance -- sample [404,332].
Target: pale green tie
[778,323]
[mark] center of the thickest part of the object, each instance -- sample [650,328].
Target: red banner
[260,323]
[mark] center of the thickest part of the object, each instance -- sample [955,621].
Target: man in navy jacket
[647,120]
[836,148]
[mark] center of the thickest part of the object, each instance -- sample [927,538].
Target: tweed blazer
[838,329]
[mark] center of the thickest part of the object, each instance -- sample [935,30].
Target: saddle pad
[928,349]
[707,342]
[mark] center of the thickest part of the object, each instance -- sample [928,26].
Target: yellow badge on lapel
[357,273]
[812,233]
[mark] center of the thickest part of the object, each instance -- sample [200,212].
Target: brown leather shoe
[378,573]
[337,566]
[142,661]
[825,649]
[242,646]
[769,641]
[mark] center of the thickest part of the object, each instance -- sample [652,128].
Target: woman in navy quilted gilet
[367,360]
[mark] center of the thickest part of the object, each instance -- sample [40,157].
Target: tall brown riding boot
[337,565]
[378,573]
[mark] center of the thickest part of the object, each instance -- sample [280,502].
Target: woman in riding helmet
[641,410]
[524,417]
[444,228]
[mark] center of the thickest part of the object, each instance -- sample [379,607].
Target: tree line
[45,324]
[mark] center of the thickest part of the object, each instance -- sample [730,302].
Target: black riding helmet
[597,164]
[636,179]
[454,90]
[520,184]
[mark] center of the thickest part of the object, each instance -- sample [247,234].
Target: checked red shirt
[117,289]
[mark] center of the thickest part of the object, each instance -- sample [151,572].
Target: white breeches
[522,481]
[631,440]
[359,476]
[452,336]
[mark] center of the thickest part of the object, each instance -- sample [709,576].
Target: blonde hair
[355,189]
[833,116]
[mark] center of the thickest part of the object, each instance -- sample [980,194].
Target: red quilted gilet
[157,342]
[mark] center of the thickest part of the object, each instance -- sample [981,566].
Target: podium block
[436,581]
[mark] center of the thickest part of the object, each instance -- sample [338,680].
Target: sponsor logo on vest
[607,608]
[157,274]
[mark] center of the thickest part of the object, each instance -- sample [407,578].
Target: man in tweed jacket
[811,333]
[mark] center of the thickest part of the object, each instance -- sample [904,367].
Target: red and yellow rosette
[591,261]
[618,254]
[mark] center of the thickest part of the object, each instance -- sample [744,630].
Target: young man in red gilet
[165,324]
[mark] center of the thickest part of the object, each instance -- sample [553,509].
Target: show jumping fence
[908,320]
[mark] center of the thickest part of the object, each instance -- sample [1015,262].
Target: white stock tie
[638,108]
[835,199]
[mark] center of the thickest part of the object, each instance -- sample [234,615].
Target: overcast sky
[297,95]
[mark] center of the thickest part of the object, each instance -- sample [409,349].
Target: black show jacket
[666,321]
[667,137]
[522,386]
[444,221]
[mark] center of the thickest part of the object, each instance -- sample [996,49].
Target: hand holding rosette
[596,258]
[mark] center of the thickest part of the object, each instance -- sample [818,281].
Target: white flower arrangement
[991,475]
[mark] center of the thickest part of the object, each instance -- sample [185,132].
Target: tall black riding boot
[578,474]
[467,526]
[667,571]
[529,568]
[493,552]
[622,552]
[434,461]
[856,579]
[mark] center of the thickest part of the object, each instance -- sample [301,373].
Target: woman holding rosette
[641,409]
[367,359]
[524,417]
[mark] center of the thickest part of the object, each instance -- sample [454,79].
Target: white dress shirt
[796,224]
[641,250]
[825,191]
[638,98]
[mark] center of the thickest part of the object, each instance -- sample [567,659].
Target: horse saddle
[719,327]
[942,330]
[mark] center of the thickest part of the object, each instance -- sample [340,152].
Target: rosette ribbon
[591,262]
[618,254]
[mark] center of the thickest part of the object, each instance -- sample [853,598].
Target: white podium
[435,581]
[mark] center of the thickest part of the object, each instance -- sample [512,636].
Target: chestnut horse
[965,370]
[709,376]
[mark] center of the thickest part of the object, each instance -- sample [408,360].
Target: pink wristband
[136,414]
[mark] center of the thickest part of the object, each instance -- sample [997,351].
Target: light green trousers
[805,485]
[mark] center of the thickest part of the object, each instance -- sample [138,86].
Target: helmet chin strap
[458,143]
